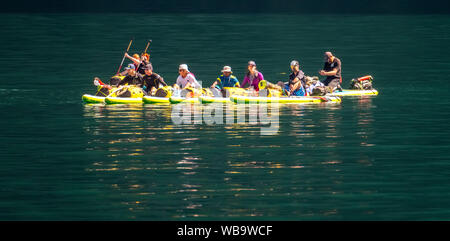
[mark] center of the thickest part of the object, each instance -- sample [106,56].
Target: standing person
[332,70]
[185,79]
[297,81]
[253,76]
[151,80]
[226,79]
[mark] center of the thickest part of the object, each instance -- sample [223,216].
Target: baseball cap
[130,66]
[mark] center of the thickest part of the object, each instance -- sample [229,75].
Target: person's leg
[333,83]
[300,92]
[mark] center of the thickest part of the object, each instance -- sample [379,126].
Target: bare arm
[161,80]
[329,73]
[133,59]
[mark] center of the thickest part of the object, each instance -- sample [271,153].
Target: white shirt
[188,79]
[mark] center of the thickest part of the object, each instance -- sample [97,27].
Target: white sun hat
[183,66]
[227,69]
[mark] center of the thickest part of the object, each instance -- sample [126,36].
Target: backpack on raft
[216,92]
[165,92]
[363,83]
[209,92]
[321,90]
[128,91]
[190,92]
[105,91]
[270,93]
[234,91]
[314,87]
[267,89]
[102,91]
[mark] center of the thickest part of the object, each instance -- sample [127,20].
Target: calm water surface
[371,158]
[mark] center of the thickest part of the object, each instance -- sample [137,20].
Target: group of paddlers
[139,74]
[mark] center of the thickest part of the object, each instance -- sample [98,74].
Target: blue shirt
[224,81]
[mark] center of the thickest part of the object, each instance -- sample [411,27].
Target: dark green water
[380,158]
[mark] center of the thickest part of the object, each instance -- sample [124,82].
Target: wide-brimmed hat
[183,66]
[226,69]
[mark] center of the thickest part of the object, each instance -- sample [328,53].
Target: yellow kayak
[121,100]
[155,100]
[93,99]
[285,100]
[354,92]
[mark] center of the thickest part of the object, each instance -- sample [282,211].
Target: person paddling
[186,79]
[226,79]
[139,62]
[151,80]
[332,70]
[145,60]
[253,76]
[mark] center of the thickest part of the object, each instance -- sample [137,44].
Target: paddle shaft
[123,59]
[148,44]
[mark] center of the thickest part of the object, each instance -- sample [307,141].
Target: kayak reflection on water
[258,114]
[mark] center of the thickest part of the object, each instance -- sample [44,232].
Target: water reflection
[365,120]
[203,170]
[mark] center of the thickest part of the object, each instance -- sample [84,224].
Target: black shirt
[300,75]
[132,80]
[140,68]
[153,80]
[333,65]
